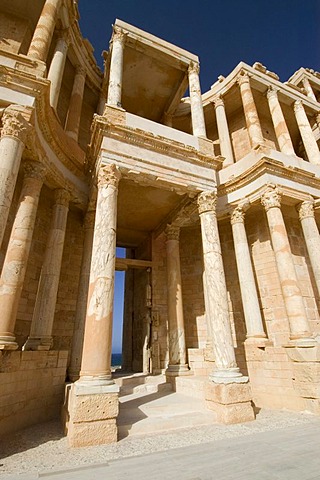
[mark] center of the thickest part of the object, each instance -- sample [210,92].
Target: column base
[8,342]
[228,375]
[231,402]
[302,342]
[92,412]
[262,341]
[177,370]
[38,343]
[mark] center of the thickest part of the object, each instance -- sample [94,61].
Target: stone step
[145,388]
[138,379]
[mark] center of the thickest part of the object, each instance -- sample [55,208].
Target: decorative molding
[306,209]
[271,197]
[207,201]
[108,175]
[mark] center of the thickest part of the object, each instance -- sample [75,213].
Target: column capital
[80,70]
[272,92]
[271,197]
[34,169]
[61,197]
[108,175]
[14,125]
[207,201]
[194,68]
[298,105]
[242,78]
[218,101]
[237,215]
[306,209]
[64,34]
[172,232]
[118,35]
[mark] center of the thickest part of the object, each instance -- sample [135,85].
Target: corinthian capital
[237,215]
[118,35]
[61,197]
[242,78]
[194,68]
[218,101]
[306,209]
[272,92]
[108,175]
[298,106]
[271,197]
[14,125]
[207,201]
[172,232]
[33,169]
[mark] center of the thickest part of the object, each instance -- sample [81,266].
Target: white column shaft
[250,112]
[279,123]
[306,132]
[197,115]
[75,106]
[116,69]
[224,135]
[56,70]
[312,238]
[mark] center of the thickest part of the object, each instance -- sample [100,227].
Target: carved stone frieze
[271,197]
[207,201]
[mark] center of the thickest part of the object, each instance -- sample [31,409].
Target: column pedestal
[231,402]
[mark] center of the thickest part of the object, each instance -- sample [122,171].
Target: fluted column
[116,68]
[80,316]
[308,89]
[279,123]
[57,67]
[311,236]
[226,369]
[197,115]
[75,106]
[306,133]
[97,347]
[250,111]
[177,342]
[16,259]
[299,328]
[12,143]
[42,36]
[223,131]
[40,337]
[249,294]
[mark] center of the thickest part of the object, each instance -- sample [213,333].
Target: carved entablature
[172,232]
[34,169]
[306,209]
[14,125]
[237,215]
[108,175]
[61,197]
[207,201]
[271,197]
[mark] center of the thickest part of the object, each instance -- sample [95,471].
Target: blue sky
[284,35]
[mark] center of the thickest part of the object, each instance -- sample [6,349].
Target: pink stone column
[16,259]
[116,67]
[12,143]
[40,337]
[57,65]
[226,369]
[279,123]
[74,112]
[197,115]
[79,321]
[97,347]
[223,131]
[177,343]
[299,328]
[308,139]
[250,111]
[42,36]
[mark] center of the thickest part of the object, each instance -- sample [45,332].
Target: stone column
[42,321]
[223,131]
[12,142]
[299,328]
[79,321]
[249,295]
[197,115]
[57,67]
[279,123]
[311,236]
[306,133]
[226,369]
[96,356]
[16,259]
[308,89]
[177,342]
[75,106]
[116,68]
[250,111]
[42,36]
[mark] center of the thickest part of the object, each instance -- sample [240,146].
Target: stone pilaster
[16,259]
[42,36]
[250,111]
[197,115]
[57,67]
[40,337]
[299,328]
[116,67]
[279,123]
[177,343]
[249,294]
[306,133]
[75,106]
[223,131]
[12,143]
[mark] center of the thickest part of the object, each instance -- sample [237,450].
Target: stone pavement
[291,453]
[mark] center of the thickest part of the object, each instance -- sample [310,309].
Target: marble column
[97,347]
[197,115]
[279,123]
[306,133]
[299,328]
[75,106]
[311,236]
[223,131]
[12,142]
[40,337]
[177,342]
[226,369]
[249,294]
[57,67]
[81,307]
[308,89]
[16,259]
[116,68]
[250,111]
[42,36]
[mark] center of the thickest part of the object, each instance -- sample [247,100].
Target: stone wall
[32,387]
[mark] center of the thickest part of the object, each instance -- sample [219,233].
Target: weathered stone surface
[92,433]
[233,413]
[87,408]
[228,394]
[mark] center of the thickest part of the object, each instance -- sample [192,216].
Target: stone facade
[215,198]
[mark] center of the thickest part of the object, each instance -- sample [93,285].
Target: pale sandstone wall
[32,387]
[239,135]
